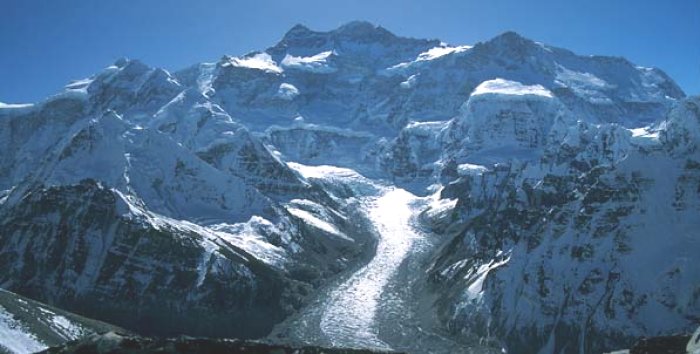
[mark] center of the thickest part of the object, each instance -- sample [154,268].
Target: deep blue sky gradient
[45,44]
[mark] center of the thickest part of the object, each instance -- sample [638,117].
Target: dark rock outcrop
[114,343]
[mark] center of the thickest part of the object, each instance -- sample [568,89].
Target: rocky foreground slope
[166,202]
[115,343]
[28,326]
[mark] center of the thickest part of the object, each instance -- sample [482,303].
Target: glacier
[356,188]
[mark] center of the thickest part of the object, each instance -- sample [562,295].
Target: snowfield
[507,87]
[356,188]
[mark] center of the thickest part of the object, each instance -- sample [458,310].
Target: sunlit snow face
[507,87]
[352,307]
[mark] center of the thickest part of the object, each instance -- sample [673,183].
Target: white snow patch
[247,237]
[410,82]
[79,86]
[429,127]
[466,169]
[693,346]
[316,222]
[69,329]
[643,132]
[260,61]
[438,52]
[645,136]
[322,171]
[15,105]
[584,85]
[565,75]
[475,289]
[438,205]
[431,54]
[14,337]
[441,206]
[507,87]
[206,78]
[287,91]
[317,63]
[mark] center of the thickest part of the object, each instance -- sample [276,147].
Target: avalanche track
[378,305]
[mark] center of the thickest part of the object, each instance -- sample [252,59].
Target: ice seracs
[506,87]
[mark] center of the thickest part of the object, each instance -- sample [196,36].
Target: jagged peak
[349,39]
[511,35]
[126,66]
[121,62]
[297,30]
[361,28]
[353,28]
[356,30]
[511,39]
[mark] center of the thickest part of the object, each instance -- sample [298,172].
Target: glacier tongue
[349,317]
[236,189]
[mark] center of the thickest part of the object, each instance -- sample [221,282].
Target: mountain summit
[501,196]
[358,39]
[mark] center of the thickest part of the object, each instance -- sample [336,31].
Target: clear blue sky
[45,44]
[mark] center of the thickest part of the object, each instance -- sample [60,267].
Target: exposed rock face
[94,251]
[574,181]
[135,199]
[586,246]
[671,344]
[666,345]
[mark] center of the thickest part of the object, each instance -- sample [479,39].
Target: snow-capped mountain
[134,199]
[583,246]
[182,202]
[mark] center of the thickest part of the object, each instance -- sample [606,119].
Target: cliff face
[138,201]
[168,202]
[587,246]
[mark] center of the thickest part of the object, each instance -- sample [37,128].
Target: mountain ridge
[200,201]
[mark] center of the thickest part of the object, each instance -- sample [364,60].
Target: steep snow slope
[364,78]
[600,89]
[98,252]
[128,184]
[503,119]
[27,326]
[583,249]
[549,161]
